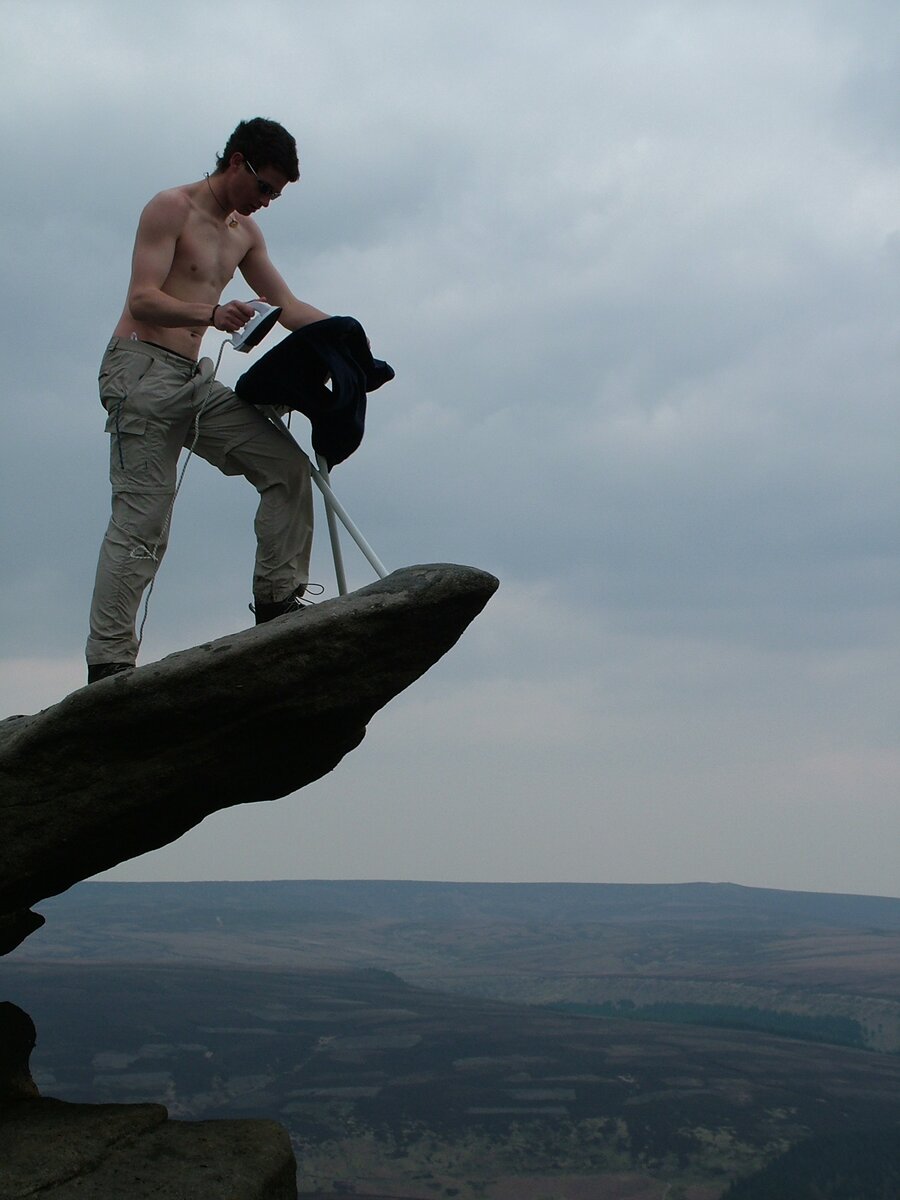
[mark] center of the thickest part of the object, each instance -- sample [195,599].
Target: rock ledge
[59,1151]
[130,763]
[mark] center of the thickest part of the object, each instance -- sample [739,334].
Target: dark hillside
[520,903]
[417,1091]
[796,963]
[859,1165]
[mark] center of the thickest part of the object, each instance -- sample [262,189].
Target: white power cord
[143,551]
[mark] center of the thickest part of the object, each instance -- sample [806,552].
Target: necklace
[232,224]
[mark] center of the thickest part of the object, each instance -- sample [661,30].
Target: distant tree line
[832,1030]
[858,1165]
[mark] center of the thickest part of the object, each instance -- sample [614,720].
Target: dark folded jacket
[293,375]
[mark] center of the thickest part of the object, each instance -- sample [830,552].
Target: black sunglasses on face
[265,189]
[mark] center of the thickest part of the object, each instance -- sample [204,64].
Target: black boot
[265,610]
[97,671]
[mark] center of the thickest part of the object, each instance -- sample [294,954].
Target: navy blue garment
[293,375]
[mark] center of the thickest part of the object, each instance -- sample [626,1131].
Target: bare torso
[207,252]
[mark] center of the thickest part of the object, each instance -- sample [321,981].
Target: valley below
[504,1042]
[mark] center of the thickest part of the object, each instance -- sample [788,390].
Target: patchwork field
[390,1089]
[476,1041]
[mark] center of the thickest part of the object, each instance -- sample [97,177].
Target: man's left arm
[260,273]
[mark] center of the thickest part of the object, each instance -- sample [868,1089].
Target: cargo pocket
[128,458]
[120,373]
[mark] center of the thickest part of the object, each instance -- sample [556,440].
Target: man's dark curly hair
[264,144]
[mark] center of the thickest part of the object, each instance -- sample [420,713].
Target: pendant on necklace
[233,223]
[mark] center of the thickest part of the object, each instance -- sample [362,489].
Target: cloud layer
[638,272]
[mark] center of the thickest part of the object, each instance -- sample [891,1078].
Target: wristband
[212,315]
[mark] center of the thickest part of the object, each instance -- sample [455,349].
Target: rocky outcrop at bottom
[59,1151]
[17,1040]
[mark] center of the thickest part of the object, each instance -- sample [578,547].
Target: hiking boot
[265,610]
[97,671]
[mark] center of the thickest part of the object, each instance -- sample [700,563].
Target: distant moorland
[510,1042]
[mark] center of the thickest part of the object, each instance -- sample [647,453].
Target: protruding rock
[50,1150]
[17,1038]
[130,763]
[16,926]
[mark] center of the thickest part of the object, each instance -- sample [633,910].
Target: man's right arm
[160,226]
[158,231]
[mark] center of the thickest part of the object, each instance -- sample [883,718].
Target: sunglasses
[265,189]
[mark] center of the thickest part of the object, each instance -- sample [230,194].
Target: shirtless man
[189,242]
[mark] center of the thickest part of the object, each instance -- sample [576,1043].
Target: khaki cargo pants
[152,398]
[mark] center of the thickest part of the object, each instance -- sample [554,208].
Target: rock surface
[17,1039]
[58,1151]
[130,763]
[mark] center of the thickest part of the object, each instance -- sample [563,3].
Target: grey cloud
[637,272]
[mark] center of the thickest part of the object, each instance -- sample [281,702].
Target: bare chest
[207,254]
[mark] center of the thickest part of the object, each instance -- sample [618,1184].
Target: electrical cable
[150,552]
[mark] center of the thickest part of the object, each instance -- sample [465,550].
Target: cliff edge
[130,763]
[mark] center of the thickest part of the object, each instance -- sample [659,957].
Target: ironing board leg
[332,502]
[333,508]
[333,533]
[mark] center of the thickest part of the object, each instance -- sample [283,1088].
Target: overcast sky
[637,267]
